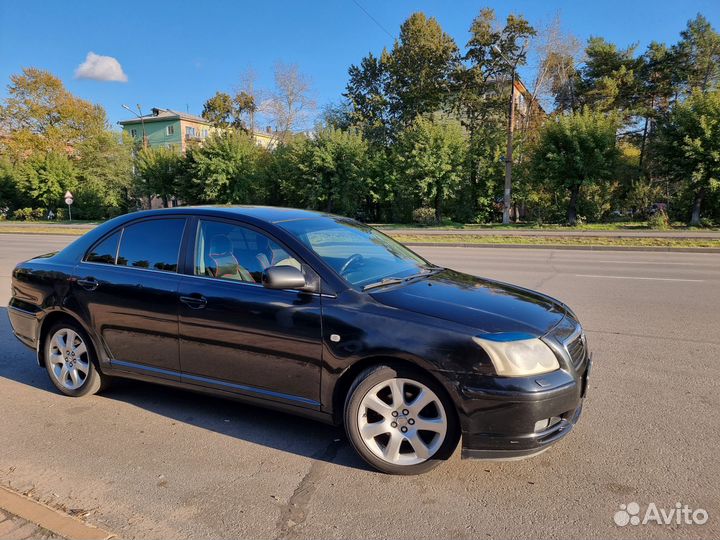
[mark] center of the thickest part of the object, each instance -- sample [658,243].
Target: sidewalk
[22,518]
[13,527]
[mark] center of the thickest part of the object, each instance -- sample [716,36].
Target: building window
[204,133]
[170,130]
[133,133]
[189,131]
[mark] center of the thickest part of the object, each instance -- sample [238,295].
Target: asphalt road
[147,461]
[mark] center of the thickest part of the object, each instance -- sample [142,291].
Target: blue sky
[177,54]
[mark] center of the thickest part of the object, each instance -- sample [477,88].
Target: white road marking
[645,262]
[644,278]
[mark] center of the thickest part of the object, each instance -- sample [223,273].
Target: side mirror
[283,277]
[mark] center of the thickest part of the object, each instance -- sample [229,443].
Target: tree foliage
[574,151]
[225,168]
[428,161]
[46,178]
[687,148]
[40,115]
[156,173]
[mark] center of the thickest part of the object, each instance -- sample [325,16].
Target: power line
[373,19]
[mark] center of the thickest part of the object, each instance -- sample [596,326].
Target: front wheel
[69,361]
[400,420]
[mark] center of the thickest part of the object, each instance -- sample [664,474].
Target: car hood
[487,305]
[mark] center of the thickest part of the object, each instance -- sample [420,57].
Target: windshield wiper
[383,282]
[395,280]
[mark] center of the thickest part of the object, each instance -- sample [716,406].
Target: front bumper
[505,418]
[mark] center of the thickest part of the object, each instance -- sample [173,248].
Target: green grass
[42,229]
[615,226]
[557,241]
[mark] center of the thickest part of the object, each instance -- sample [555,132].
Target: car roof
[270,214]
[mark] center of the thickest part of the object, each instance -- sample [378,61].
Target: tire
[388,437]
[72,369]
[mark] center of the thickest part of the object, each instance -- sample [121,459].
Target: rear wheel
[400,420]
[69,360]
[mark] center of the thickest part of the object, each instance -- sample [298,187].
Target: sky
[177,54]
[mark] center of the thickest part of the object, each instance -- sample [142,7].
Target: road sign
[69,199]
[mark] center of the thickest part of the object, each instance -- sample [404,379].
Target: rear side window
[153,245]
[104,252]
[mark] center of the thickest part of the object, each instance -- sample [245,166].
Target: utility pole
[507,196]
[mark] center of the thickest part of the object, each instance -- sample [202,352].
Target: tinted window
[105,251]
[152,244]
[227,251]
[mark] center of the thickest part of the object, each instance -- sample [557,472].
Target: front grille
[576,349]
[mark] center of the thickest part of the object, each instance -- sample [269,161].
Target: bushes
[424,215]
[659,220]
[29,214]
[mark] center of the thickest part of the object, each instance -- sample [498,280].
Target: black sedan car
[313,314]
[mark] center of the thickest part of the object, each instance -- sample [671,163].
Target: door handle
[194,301]
[89,284]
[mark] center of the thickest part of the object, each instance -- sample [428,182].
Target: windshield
[360,254]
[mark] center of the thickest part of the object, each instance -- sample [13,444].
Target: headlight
[518,357]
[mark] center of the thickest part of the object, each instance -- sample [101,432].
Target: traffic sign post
[69,199]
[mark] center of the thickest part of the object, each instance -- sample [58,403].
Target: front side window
[152,245]
[170,130]
[133,133]
[360,254]
[237,253]
[105,251]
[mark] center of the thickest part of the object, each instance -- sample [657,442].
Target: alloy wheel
[402,421]
[68,358]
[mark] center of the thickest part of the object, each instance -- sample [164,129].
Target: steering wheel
[353,259]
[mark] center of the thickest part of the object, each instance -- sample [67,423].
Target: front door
[127,286]
[239,336]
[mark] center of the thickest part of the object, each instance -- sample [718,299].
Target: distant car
[312,314]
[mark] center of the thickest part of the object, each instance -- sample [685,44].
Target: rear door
[127,285]
[239,336]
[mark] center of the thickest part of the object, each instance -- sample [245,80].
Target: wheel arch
[345,381]
[55,316]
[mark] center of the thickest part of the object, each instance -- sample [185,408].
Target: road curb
[565,247]
[49,518]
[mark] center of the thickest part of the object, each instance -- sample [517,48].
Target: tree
[218,110]
[657,88]
[245,106]
[156,173]
[574,151]
[331,172]
[290,103]
[46,178]
[482,89]
[699,55]
[105,180]
[420,69]
[224,169]
[367,98]
[687,148]
[225,111]
[40,115]
[10,196]
[429,160]
[608,77]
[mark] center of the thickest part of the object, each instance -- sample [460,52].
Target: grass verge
[556,240]
[617,226]
[41,229]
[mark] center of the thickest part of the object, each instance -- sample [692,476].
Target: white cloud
[100,68]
